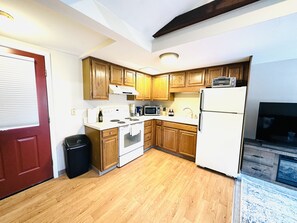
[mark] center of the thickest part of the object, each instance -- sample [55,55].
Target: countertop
[108,125]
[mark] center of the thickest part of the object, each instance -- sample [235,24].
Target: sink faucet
[187,108]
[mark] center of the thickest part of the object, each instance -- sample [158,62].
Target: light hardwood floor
[156,187]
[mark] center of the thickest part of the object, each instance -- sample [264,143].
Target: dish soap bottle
[100,116]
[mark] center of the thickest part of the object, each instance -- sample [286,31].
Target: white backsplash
[182,101]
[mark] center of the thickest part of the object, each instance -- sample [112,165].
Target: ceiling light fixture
[6,15]
[169,58]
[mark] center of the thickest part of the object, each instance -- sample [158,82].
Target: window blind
[18,97]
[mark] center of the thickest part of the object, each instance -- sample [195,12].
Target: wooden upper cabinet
[147,87]
[139,85]
[121,76]
[214,72]
[161,88]
[177,80]
[129,78]
[195,78]
[116,75]
[95,79]
[189,81]
[235,70]
[143,86]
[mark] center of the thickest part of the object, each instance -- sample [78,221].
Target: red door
[25,154]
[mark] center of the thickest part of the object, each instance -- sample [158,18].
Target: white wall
[269,82]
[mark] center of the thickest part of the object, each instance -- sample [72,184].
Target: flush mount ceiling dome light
[6,15]
[169,58]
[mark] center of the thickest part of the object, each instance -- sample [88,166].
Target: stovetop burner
[114,120]
[132,119]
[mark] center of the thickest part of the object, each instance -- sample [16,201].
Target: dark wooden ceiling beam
[202,13]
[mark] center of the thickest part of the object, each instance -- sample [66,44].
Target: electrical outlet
[73,111]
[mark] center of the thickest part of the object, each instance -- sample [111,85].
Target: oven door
[130,137]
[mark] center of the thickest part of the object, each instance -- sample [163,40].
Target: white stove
[130,142]
[131,133]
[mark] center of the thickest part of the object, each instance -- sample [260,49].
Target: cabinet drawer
[147,144]
[148,123]
[175,125]
[147,136]
[258,156]
[109,132]
[257,170]
[158,122]
[147,129]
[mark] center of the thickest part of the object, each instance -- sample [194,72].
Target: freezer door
[219,142]
[223,99]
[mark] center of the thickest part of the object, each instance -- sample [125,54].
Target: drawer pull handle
[256,169]
[261,157]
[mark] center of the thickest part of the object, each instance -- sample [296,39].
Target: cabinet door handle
[256,169]
[261,157]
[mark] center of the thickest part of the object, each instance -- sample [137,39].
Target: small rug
[263,202]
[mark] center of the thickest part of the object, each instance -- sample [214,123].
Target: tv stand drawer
[258,156]
[257,170]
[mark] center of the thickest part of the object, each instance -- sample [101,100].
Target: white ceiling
[120,31]
[35,23]
[148,17]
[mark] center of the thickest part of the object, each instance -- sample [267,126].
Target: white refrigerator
[220,127]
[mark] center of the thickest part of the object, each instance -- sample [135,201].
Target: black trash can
[77,155]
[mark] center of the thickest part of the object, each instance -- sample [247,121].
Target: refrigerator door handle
[201,100]
[200,122]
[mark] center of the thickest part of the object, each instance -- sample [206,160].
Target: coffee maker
[139,110]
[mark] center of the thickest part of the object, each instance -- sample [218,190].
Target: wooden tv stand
[261,160]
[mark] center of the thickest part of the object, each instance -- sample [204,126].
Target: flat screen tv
[277,124]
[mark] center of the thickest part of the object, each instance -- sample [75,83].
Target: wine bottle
[100,116]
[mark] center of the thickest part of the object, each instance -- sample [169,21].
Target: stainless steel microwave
[151,110]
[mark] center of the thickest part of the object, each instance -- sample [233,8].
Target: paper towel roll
[92,115]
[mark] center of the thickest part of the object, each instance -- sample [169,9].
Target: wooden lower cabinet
[187,143]
[105,148]
[176,137]
[159,136]
[170,138]
[148,134]
[109,152]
